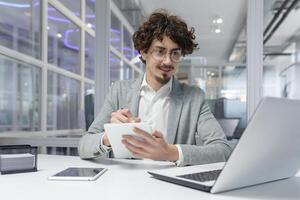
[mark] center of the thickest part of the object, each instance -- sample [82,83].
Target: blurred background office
[59,57]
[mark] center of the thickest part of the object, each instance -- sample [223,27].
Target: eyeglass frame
[169,53]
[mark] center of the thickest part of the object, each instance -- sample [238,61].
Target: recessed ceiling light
[219,20]
[48,27]
[217,30]
[59,35]
[212,74]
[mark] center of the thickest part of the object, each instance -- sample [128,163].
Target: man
[185,131]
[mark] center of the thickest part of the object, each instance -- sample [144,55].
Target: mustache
[167,66]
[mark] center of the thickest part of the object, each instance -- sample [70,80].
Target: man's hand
[120,116]
[123,116]
[151,146]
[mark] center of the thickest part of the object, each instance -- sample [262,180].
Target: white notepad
[115,132]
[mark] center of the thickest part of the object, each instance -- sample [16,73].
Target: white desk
[125,179]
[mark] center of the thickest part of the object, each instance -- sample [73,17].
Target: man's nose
[167,59]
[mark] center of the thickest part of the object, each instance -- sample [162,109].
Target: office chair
[229,126]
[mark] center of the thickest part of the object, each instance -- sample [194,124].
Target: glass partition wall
[47,66]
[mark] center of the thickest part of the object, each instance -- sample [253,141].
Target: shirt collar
[164,90]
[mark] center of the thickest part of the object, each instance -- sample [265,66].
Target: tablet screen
[75,173]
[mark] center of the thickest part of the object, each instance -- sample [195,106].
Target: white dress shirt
[154,106]
[154,109]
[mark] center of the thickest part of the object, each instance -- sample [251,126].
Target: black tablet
[78,173]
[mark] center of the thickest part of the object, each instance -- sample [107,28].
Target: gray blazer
[190,123]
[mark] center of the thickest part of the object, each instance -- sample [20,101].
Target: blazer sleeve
[90,143]
[211,143]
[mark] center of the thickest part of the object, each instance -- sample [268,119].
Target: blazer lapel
[175,109]
[133,96]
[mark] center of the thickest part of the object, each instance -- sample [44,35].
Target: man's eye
[160,52]
[176,53]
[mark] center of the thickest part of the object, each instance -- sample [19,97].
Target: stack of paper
[9,162]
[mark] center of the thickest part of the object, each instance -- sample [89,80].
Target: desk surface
[125,179]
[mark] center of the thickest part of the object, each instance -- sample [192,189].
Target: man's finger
[144,135]
[135,150]
[157,134]
[138,142]
[134,120]
[119,117]
[115,121]
[126,112]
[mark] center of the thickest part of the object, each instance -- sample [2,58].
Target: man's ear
[143,54]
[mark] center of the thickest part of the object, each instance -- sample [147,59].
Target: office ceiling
[280,47]
[215,48]
[289,28]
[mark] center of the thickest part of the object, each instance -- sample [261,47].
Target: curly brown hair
[161,23]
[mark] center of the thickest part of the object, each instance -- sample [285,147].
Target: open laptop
[268,150]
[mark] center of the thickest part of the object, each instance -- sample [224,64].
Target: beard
[160,74]
[163,80]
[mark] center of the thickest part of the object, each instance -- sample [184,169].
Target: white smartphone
[79,174]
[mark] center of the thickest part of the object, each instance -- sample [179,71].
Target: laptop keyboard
[203,176]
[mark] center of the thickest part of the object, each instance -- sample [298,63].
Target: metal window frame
[254,55]
[126,24]
[46,67]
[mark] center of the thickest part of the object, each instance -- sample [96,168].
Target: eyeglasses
[160,54]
